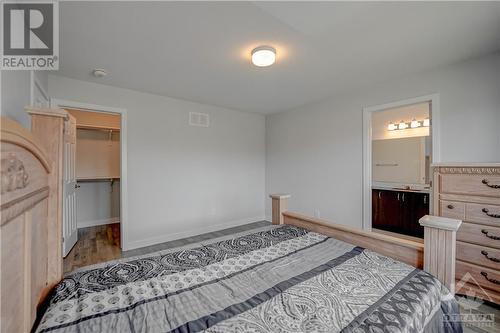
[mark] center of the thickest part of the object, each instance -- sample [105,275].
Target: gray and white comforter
[276,279]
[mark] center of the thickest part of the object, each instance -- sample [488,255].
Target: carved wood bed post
[280,205]
[47,125]
[440,248]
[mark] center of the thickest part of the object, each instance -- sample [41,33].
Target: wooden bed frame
[31,230]
[436,254]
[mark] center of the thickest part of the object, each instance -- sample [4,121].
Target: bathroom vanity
[398,210]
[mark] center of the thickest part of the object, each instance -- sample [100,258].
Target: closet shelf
[97,128]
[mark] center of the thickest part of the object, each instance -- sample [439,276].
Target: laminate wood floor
[95,244]
[102,243]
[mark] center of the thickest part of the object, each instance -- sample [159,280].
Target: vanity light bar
[402,125]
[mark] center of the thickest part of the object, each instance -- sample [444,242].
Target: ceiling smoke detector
[99,72]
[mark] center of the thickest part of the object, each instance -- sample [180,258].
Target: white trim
[86,224]
[367,146]
[367,172]
[59,103]
[190,233]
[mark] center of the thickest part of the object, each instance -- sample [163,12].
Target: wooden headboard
[25,275]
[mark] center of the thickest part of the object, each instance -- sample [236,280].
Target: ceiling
[201,51]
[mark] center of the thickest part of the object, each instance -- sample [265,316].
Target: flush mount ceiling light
[263,56]
[99,72]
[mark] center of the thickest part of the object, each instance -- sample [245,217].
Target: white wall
[16,95]
[16,91]
[98,203]
[186,180]
[182,180]
[315,152]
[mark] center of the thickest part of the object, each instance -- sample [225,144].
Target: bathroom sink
[406,188]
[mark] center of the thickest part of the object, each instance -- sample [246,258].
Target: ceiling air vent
[199,119]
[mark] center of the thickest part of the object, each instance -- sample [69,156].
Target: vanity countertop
[400,189]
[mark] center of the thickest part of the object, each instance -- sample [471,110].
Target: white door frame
[60,103]
[367,146]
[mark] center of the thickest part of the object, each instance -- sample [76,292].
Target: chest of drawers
[471,193]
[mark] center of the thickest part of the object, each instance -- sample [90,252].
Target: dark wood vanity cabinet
[399,211]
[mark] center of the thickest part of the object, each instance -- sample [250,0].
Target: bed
[300,274]
[276,279]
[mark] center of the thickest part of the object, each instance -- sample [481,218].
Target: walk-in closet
[97,189]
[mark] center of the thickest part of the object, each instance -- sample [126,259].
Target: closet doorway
[98,184]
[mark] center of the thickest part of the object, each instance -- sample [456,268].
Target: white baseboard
[190,233]
[86,224]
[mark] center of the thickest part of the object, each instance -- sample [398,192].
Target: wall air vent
[199,119]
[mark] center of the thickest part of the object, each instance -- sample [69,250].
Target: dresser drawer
[452,209]
[479,234]
[470,184]
[485,277]
[479,255]
[484,214]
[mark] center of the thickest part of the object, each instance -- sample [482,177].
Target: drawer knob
[487,183]
[486,211]
[486,233]
[486,254]
[495,281]
[450,206]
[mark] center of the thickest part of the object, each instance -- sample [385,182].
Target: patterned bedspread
[274,279]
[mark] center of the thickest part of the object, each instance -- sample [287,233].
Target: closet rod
[102,179]
[98,180]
